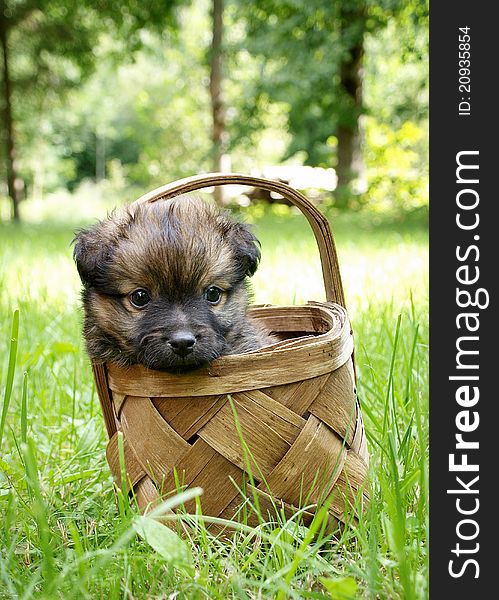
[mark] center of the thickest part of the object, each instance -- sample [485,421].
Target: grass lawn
[63,535]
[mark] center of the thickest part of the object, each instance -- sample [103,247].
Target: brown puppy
[165,285]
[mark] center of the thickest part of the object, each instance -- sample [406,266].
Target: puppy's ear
[89,254]
[93,250]
[247,248]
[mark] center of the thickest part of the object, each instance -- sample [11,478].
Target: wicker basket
[295,403]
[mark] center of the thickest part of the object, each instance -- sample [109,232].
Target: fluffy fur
[177,252]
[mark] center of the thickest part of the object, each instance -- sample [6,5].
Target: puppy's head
[164,283]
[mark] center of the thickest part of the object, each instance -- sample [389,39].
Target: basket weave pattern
[293,403]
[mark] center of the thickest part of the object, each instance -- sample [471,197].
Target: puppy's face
[164,283]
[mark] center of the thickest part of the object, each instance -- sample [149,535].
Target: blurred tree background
[110,99]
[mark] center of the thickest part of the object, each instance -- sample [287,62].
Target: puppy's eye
[140,298]
[213,295]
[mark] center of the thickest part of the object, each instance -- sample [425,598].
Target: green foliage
[294,43]
[340,588]
[162,539]
[121,95]
[54,46]
[398,178]
[302,46]
[152,127]
[303,50]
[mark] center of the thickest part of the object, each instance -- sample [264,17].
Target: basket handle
[318,222]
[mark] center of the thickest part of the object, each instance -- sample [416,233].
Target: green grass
[65,534]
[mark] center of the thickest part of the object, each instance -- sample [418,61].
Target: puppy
[165,285]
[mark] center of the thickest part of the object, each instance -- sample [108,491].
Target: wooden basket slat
[188,466]
[146,493]
[322,451]
[274,414]
[188,416]
[254,374]
[362,451]
[158,444]
[285,344]
[102,386]
[336,404]
[170,408]
[267,436]
[134,470]
[298,396]
[358,443]
[218,476]
[306,321]
[117,400]
[351,486]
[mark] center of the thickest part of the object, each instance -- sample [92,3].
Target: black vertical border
[450,134]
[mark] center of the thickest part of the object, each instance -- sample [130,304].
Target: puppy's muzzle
[182,343]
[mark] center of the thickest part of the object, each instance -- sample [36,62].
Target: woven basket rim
[308,358]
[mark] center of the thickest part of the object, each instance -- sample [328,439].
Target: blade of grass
[389,386]
[39,511]
[24,410]
[10,372]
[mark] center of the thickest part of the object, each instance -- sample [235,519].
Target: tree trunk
[350,165]
[217,102]
[10,149]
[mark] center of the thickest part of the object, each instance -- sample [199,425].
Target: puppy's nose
[182,342]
